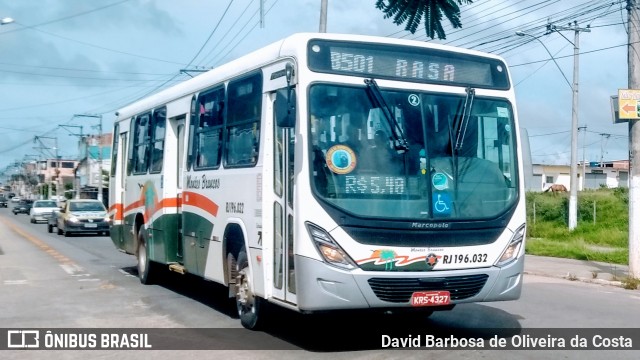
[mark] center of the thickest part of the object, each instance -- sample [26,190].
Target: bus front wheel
[248,304]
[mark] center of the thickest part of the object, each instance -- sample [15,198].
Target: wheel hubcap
[142,259]
[244,296]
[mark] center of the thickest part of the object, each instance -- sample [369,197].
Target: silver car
[41,210]
[82,216]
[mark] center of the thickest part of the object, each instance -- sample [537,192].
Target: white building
[609,174]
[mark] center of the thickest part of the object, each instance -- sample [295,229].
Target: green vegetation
[602,231]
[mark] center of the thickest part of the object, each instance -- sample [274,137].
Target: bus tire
[248,304]
[145,266]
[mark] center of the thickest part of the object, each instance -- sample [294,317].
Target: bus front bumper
[322,287]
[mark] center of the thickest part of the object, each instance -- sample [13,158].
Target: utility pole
[39,139]
[584,146]
[100,179]
[602,146]
[633,29]
[76,181]
[261,14]
[323,16]
[573,184]
[57,172]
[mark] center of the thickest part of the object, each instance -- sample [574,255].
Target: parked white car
[42,210]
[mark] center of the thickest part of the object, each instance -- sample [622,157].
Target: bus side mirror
[285,107]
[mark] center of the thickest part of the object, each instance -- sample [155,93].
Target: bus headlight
[329,249]
[512,250]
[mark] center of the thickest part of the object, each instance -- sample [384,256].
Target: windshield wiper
[400,143]
[461,126]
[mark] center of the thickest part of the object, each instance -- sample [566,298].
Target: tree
[412,12]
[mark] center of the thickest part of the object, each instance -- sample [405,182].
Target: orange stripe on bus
[133,205]
[189,198]
[200,201]
[117,210]
[169,202]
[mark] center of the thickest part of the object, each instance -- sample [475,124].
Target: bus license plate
[91,225]
[430,298]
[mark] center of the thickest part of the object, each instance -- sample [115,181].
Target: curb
[569,277]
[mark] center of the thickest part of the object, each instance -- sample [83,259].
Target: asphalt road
[51,281]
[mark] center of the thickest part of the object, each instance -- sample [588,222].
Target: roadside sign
[614,111]
[629,103]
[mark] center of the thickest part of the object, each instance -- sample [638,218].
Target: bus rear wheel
[248,304]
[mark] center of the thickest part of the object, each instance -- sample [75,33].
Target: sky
[62,58]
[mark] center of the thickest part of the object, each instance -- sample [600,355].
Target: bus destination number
[402,68]
[464,259]
[235,207]
[430,298]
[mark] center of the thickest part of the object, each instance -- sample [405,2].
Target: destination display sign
[407,63]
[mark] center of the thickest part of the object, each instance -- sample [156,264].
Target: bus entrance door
[284,281]
[178,125]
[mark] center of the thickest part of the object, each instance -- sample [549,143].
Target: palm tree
[412,11]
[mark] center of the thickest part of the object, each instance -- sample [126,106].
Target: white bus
[327,172]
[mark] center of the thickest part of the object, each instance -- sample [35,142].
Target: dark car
[3,201]
[22,207]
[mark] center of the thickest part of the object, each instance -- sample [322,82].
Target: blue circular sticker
[440,181]
[341,159]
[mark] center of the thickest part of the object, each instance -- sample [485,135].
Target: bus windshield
[460,162]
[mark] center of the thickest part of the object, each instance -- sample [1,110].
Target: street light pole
[573,182]
[573,191]
[633,24]
[323,16]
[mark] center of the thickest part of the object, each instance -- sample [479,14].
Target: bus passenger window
[243,121]
[210,110]
[141,140]
[157,140]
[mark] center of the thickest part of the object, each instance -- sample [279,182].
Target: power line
[566,56]
[211,34]
[555,133]
[66,17]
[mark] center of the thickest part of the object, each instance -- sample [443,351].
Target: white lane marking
[125,273]
[71,268]
[89,280]
[15,282]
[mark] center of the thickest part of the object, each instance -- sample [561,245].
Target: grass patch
[602,232]
[576,249]
[630,283]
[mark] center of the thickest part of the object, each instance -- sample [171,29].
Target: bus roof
[287,47]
